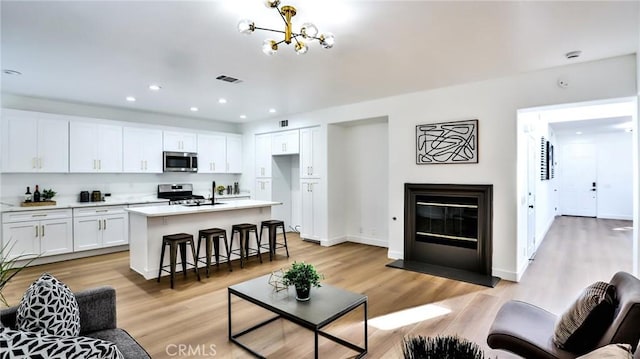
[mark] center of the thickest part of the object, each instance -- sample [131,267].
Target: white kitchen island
[147,225]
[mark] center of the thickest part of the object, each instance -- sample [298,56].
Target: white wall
[495,103]
[614,175]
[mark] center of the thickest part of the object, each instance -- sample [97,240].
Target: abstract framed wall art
[447,142]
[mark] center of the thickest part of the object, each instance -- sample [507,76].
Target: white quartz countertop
[162,211]
[71,203]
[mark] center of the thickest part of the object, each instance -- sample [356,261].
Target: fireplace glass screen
[447,220]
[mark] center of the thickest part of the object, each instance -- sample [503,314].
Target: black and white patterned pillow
[583,324]
[16,344]
[49,307]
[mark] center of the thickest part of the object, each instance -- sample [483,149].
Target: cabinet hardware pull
[42,232]
[99,164]
[141,164]
[145,165]
[33,162]
[104,225]
[40,162]
[36,227]
[99,225]
[94,164]
[102,210]
[38,215]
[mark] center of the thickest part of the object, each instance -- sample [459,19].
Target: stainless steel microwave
[180,161]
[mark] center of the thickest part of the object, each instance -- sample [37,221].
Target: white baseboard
[615,216]
[506,275]
[395,254]
[368,240]
[333,241]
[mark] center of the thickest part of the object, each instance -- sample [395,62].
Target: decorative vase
[303,294]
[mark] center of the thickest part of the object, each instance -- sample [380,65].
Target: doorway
[567,183]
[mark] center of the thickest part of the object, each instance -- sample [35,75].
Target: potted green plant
[48,194]
[302,276]
[220,189]
[9,267]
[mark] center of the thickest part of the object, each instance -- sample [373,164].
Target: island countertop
[175,210]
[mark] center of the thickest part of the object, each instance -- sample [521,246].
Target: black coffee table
[327,304]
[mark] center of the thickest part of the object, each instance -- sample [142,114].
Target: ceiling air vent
[230,79]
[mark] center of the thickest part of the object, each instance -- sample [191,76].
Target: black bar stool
[273,225]
[212,235]
[243,231]
[174,241]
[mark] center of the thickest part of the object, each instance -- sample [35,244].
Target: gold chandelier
[308,31]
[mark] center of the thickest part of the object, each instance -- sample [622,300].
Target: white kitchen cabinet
[285,143]
[311,218]
[142,150]
[34,142]
[212,153]
[44,233]
[310,152]
[180,141]
[234,154]
[99,227]
[95,147]
[263,189]
[263,155]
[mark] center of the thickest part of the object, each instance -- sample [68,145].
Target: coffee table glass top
[326,303]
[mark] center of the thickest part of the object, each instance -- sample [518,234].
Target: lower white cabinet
[31,233]
[310,204]
[99,227]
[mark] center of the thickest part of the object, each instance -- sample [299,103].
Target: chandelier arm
[265,29]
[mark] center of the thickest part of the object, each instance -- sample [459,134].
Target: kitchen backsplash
[69,185]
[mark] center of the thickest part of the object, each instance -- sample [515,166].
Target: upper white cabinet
[218,153]
[95,147]
[310,152]
[180,141]
[234,154]
[263,155]
[212,153]
[142,149]
[285,143]
[34,142]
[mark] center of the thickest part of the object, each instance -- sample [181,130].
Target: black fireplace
[448,230]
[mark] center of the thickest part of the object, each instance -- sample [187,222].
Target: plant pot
[303,294]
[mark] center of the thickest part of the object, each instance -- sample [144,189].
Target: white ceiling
[99,52]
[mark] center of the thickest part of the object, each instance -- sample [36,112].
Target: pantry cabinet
[310,152]
[34,142]
[263,155]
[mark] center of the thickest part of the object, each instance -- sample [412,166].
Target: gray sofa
[97,320]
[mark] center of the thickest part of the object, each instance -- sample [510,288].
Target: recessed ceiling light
[222,100]
[243,116]
[131,99]
[573,54]
[579,133]
[194,109]
[11,72]
[154,87]
[272,110]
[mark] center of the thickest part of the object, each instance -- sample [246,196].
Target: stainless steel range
[181,194]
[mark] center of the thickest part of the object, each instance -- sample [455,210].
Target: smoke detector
[573,55]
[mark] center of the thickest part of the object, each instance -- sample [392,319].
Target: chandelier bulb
[301,48]
[327,40]
[269,47]
[272,3]
[246,26]
[309,30]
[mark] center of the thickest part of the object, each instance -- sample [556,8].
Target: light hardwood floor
[576,252]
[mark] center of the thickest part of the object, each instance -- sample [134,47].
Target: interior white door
[578,196]
[532,177]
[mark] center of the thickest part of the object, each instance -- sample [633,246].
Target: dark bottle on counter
[36,195]
[27,195]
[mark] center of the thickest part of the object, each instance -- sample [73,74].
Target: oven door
[180,162]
